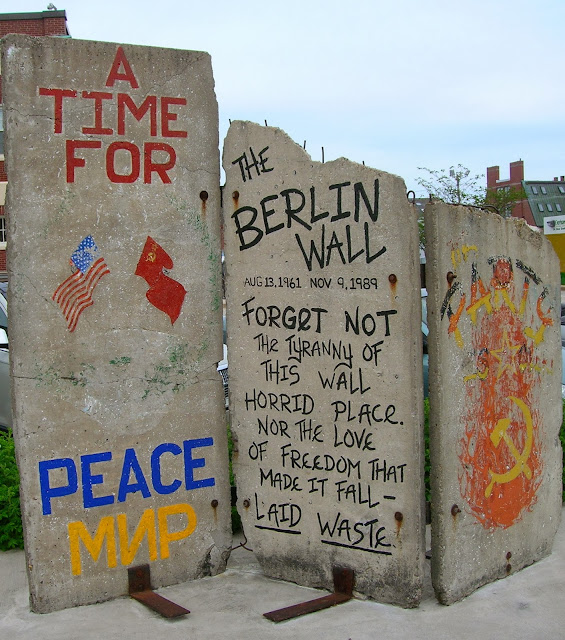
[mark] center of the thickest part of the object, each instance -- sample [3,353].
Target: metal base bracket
[140,589]
[343,591]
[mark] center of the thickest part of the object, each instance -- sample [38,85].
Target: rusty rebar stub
[139,578]
[344,579]
[455,510]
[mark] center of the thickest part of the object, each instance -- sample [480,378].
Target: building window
[558,207]
[3,232]
[535,191]
[540,207]
[561,189]
[549,208]
[543,190]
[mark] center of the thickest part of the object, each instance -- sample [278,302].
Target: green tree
[503,199]
[459,186]
[455,186]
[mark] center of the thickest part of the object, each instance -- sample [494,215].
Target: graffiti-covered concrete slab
[325,359]
[495,361]
[115,315]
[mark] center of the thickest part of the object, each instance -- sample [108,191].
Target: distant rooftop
[41,23]
[546,198]
[34,15]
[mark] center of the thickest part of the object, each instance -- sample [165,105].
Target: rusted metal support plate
[297,610]
[343,591]
[161,605]
[140,590]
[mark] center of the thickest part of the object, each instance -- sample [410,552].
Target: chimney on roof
[562,178]
[556,179]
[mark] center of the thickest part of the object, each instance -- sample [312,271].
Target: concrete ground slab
[526,605]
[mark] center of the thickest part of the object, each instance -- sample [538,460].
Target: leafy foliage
[504,199]
[455,186]
[235,517]
[11,533]
[458,186]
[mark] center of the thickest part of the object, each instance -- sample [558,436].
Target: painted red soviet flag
[164,293]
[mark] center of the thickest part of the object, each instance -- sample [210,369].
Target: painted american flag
[74,295]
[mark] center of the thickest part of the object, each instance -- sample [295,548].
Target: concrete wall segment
[495,363]
[121,402]
[304,259]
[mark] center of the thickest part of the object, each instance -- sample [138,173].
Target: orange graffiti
[506,355]
[521,459]
[454,319]
[478,302]
[500,452]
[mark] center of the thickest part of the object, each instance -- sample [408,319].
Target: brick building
[544,198]
[522,208]
[43,23]
[543,206]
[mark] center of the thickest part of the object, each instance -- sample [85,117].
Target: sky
[398,85]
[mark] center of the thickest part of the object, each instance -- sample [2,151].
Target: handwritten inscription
[297,210]
[324,439]
[294,282]
[253,165]
[343,532]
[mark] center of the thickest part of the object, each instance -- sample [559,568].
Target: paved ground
[527,605]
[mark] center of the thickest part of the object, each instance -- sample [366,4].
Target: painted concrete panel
[115,315]
[495,367]
[325,352]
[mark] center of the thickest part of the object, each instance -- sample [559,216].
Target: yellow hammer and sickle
[500,433]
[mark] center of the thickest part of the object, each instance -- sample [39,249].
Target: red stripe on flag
[76,286]
[74,289]
[66,284]
[74,295]
[85,300]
